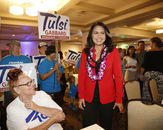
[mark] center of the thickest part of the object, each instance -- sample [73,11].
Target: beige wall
[3,46]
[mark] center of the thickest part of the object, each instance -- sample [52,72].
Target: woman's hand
[81,104]
[58,116]
[120,106]
[29,104]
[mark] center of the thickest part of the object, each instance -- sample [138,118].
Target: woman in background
[99,92]
[131,65]
[31,110]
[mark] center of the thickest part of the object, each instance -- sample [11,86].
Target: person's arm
[50,112]
[51,109]
[81,80]
[48,74]
[141,74]
[59,75]
[45,125]
[144,65]
[125,62]
[117,71]
[16,122]
[137,67]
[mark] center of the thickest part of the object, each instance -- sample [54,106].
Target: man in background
[42,48]
[50,78]
[14,57]
[140,52]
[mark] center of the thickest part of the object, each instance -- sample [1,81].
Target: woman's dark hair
[50,50]
[13,75]
[157,41]
[108,42]
[130,47]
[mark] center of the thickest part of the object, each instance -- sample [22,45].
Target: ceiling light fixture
[16,10]
[33,6]
[24,1]
[158,31]
[31,11]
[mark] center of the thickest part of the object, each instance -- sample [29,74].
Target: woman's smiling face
[98,35]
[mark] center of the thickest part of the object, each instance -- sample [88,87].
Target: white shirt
[21,118]
[130,62]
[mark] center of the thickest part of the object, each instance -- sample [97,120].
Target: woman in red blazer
[100,78]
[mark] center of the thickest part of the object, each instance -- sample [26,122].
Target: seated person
[31,110]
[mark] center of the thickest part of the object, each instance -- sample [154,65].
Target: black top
[96,92]
[153,61]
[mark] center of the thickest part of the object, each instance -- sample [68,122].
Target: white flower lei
[101,68]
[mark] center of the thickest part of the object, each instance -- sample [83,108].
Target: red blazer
[110,87]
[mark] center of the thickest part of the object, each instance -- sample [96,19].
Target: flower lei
[101,68]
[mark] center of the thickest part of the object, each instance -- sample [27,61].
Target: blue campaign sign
[28,69]
[53,26]
[72,57]
[3,77]
[37,59]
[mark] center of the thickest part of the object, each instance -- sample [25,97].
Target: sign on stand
[53,26]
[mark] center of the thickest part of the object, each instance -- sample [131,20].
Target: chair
[144,117]
[133,90]
[154,91]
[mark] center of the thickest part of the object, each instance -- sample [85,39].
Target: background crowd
[100,62]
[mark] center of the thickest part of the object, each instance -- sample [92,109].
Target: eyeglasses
[28,83]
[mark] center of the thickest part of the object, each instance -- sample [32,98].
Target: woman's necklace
[101,68]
